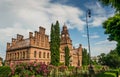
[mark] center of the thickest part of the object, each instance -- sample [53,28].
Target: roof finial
[64,25]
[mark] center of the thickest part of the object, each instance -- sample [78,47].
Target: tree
[114,3]
[101,59]
[85,57]
[111,59]
[52,45]
[112,27]
[67,56]
[55,44]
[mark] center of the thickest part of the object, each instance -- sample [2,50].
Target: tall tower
[65,38]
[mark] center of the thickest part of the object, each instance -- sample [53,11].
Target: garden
[34,69]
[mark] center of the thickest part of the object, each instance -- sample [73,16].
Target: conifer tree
[52,44]
[55,44]
[67,56]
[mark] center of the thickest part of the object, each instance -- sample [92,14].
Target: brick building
[1,61]
[37,47]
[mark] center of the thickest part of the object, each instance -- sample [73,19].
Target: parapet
[19,37]
[30,34]
[41,30]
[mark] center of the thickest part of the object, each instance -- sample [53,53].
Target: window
[35,54]
[47,55]
[39,54]
[44,55]
[15,56]
[20,55]
[23,55]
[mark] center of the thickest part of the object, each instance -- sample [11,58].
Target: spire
[64,26]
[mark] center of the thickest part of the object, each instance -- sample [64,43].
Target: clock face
[63,35]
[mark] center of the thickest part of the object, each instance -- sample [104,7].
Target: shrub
[30,70]
[106,74]
[110,74]
[5,71]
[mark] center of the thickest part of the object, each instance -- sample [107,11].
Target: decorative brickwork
[37,48]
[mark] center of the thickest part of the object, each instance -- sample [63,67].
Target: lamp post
[88,15]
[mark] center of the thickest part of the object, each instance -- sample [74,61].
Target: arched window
[23,55]
[44,55]
[39,54]
[27,54]
[47,55]
[15,56]
[20,55]
[35,54]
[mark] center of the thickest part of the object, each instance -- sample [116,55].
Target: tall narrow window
[39,54]
[35,54]
[44,55]
[18,55]
[23,55]
[47,55]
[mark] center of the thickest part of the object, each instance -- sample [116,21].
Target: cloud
[84,35]
[98,14]
[22,16]
[106,42]
[94,36]
[103,47]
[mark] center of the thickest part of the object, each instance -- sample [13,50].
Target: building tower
[65,39]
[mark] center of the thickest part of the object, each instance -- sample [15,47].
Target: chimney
[8,46]
[36,34]
[30,34]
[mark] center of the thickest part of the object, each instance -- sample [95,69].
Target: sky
[23,16]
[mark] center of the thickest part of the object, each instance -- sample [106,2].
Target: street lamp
[88,15]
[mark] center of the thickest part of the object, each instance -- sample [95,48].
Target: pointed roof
[64,25]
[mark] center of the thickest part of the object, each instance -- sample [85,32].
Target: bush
[110,74]
[29,70]
[5,71]
[106,74]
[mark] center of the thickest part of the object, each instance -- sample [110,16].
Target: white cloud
[98,14]
[106,42]
[94,36]
[103,47]
[22,16]
[84,35]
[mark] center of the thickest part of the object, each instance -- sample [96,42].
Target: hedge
[4,71]
[106,74]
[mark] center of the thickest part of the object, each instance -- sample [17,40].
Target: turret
[80,49]
[19,37]
[41,30]
[8,46]
[30,34]
[13,41]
